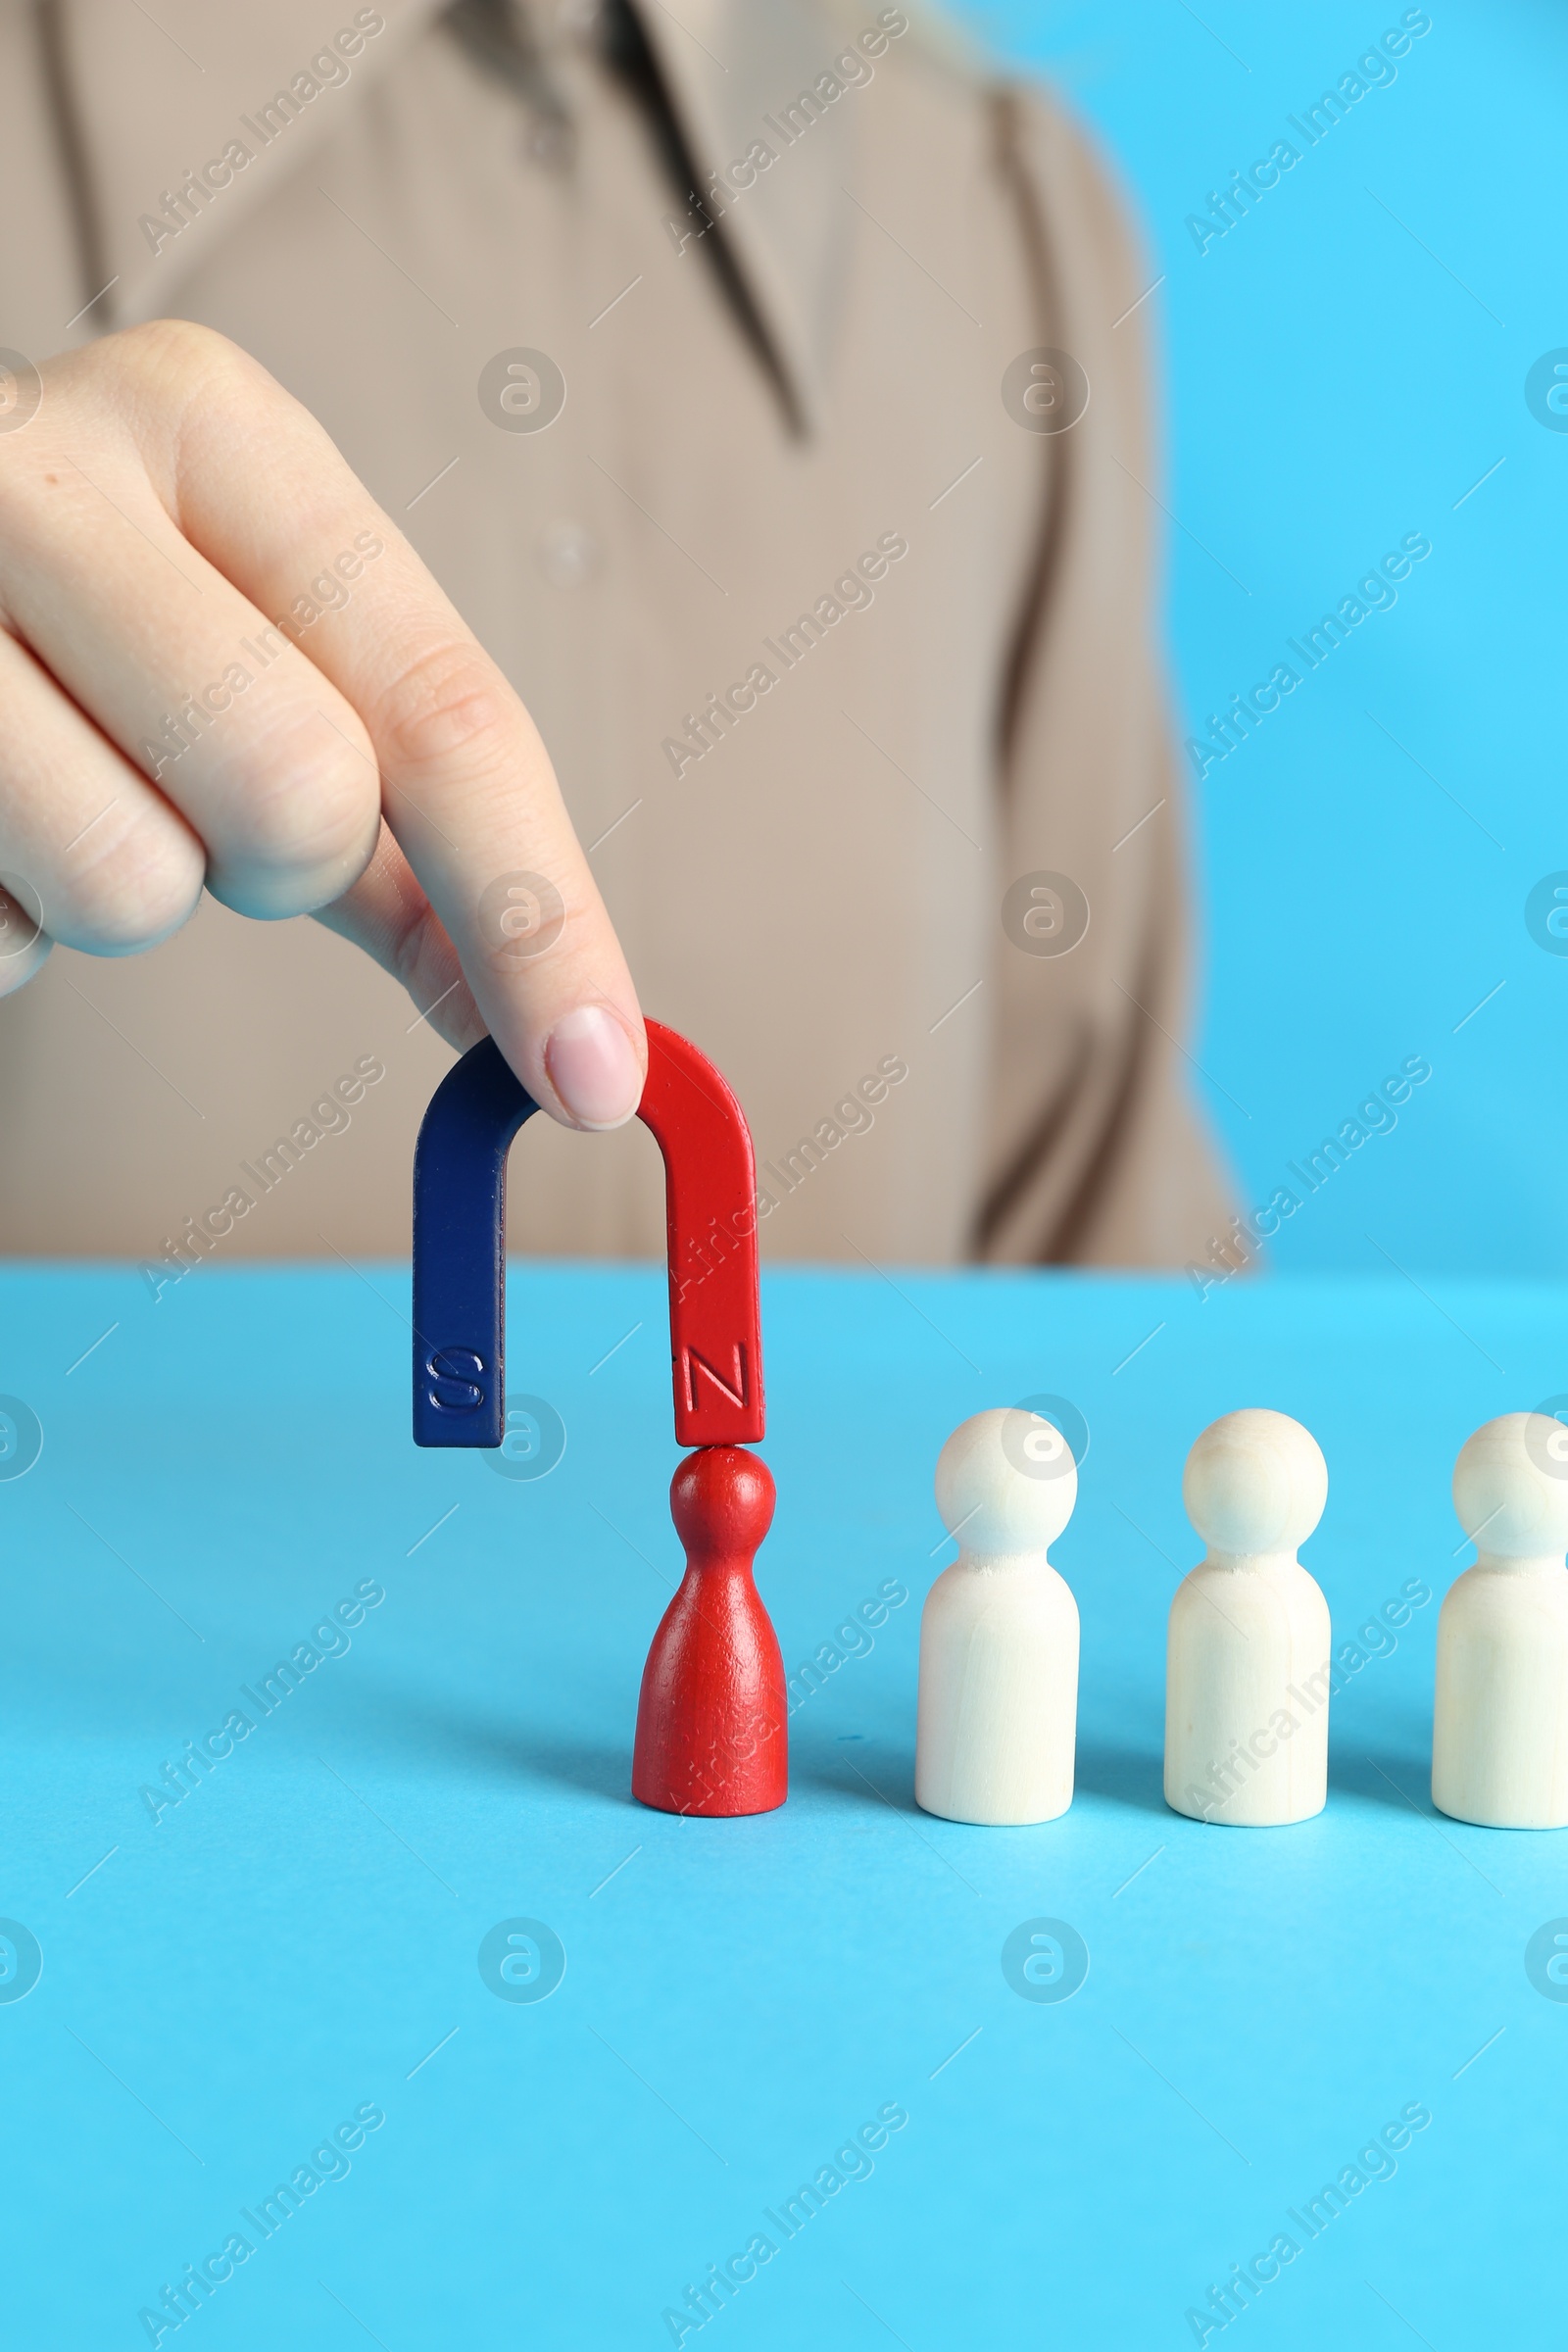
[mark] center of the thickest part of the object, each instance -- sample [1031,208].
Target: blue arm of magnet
[460,1251]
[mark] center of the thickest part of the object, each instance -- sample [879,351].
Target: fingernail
[593,1068]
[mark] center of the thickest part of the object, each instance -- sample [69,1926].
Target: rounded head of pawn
[1256,1482]
[721,1500]
[1006,1482]
[1510,1487]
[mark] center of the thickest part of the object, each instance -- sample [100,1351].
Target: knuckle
[298,796]
[166,347]
[290,815]
[450,701]
[155,385]
[134,890]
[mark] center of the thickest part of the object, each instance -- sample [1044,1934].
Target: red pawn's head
[721,1500]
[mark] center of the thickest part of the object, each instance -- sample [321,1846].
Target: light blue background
[300,1936]
[1329,387]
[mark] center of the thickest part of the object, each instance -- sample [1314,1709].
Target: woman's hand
[220,663]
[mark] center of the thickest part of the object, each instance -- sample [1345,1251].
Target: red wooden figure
[711,1718]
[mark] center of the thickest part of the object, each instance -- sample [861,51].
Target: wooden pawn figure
[712,1715]
[998,1634]
[1247,1660]
[1500,1731]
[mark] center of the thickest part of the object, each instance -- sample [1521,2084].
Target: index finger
[467,786]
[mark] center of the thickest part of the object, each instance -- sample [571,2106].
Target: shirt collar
[153,108]
[736,74]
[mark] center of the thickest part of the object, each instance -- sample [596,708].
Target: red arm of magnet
[715,1341]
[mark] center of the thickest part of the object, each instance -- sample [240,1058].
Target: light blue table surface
[297,1940]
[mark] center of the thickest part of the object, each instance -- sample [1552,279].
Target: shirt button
[569,553]
[550,143]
